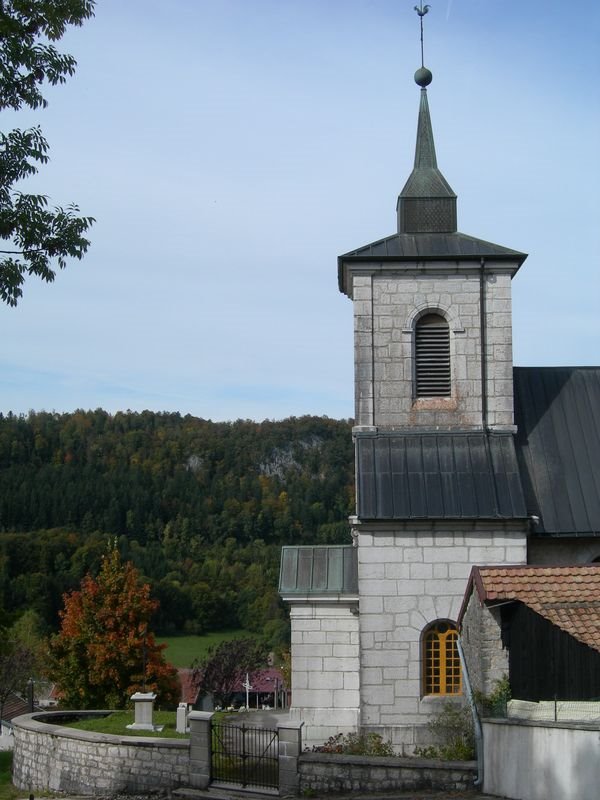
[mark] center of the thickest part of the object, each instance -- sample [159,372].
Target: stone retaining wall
[322,772]
[49,757]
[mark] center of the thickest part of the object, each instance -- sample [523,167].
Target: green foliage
[16,666]
[181,651]
[356,744]
[452,728]
[117,722]
[223,669]
[200,508]
[104,651]
[38,239]
[494,704]
[7,790]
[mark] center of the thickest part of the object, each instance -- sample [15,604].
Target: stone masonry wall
[48,757]
[322,773]
[325,674]
[386,307]
[487,661]
[408,578]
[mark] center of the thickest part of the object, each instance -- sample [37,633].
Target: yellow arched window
[441,663]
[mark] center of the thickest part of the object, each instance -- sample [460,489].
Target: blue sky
[230,150]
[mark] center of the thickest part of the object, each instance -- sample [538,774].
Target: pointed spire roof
[427,203]
[427,230]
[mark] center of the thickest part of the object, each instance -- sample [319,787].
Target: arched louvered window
[441,662]
[432,357]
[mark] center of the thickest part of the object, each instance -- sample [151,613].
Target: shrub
[494,704]
[356,744]
[453,729]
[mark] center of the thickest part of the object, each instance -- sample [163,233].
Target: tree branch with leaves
[39,239]
[222,671]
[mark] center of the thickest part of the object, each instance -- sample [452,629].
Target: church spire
[427,203]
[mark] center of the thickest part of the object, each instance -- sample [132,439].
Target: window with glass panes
[441,663]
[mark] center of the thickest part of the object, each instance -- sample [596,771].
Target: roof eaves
[319,597]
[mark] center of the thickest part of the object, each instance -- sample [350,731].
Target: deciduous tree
[222,671]
[37,238]
[104,651]
[17,663]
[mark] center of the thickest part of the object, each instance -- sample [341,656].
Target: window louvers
[432,357]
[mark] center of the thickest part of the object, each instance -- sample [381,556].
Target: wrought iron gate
[246,756]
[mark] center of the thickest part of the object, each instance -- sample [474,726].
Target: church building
[462,460]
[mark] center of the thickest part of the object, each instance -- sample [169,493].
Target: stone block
[372,571]
[313,698]
[325,680]
[384,658]
[351,680]
[371,605]
[376,622]
[378,695]
[377,588]
[487,555]
[341,664]
[434,554]
[397,571]
[418,570]
[349,623]
[344,698]
[307,664]
[411,587]
[440,570]
[345,651]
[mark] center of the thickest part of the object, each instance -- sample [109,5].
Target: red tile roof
[263,681]
[569,597]
[14,706]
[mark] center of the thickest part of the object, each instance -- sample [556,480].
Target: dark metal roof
[399,247]
[557,410]
[427,203]
[320,570]
[405,246]
[438,476]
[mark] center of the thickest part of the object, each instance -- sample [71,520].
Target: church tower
[437,479]
[432,312]
[438,488]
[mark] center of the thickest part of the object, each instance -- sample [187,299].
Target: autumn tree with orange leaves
[104,651]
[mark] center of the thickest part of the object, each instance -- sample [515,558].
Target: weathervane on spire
[421,11]
[423,76]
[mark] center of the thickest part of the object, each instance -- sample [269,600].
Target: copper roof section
[323,570]
[568,597]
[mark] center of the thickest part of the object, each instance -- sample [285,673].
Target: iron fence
[245,755]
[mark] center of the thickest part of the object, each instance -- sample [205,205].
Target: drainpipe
[476,722]
[483,332]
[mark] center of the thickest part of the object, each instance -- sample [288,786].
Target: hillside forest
[200,508]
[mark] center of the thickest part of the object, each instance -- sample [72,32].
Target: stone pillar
[200,748]
[290,748]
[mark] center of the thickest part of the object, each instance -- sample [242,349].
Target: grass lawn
[182,650]
[7,790]
[117,722]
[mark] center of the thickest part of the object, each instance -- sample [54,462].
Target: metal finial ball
[423,77]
